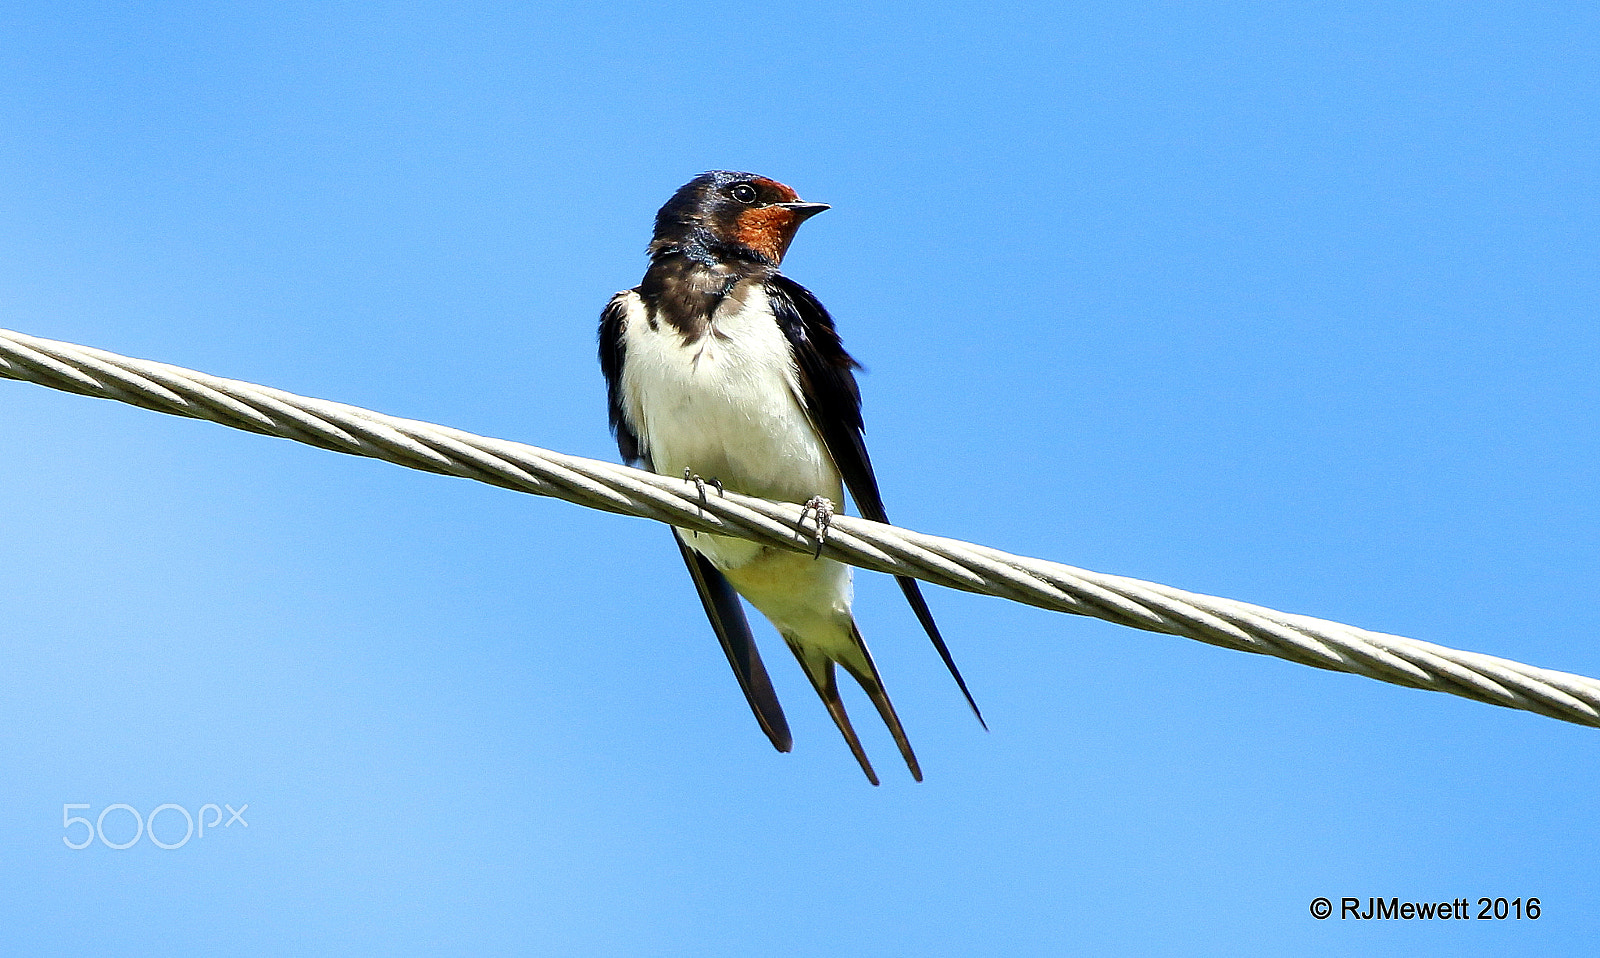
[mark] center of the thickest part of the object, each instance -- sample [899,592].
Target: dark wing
[833,401]
[716,595]
[733,631]
[613,348]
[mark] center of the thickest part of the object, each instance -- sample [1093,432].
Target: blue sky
[1288,302]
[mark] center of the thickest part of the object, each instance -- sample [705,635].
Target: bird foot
[823,507]
[700,485]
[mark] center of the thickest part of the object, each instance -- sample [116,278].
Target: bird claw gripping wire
[700,486]
[823,507]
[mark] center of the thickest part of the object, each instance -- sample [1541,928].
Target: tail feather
[819,668]
[872,684]
[823,680]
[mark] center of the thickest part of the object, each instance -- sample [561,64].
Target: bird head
[722,215]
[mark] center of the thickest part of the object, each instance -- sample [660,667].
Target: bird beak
[803,211]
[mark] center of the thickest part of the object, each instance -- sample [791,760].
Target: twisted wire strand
[870,545]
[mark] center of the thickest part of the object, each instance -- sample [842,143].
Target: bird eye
[744,193]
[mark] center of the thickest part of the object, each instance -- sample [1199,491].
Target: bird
[719,366]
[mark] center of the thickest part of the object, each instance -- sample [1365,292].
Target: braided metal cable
[870,545]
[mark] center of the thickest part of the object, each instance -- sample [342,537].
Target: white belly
[725,406]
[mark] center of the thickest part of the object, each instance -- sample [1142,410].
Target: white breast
[725,405]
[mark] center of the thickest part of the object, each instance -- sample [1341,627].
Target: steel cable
[870,545]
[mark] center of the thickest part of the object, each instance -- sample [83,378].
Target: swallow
[719,366]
